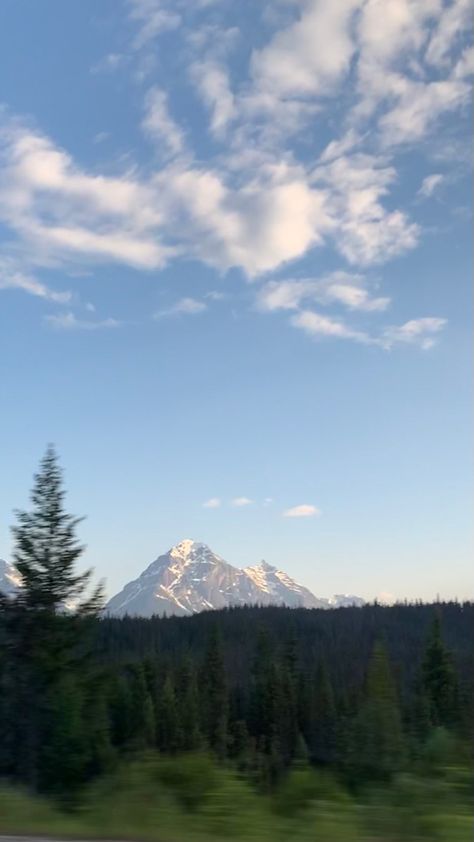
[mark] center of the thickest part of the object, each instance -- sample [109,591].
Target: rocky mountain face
[9,578]
[190,578]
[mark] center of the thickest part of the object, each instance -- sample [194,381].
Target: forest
[250,723]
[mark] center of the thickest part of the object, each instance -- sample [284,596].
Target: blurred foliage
[191,797]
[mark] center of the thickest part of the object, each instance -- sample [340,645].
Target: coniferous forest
[253,723]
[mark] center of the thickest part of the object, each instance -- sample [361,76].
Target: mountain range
[190,578]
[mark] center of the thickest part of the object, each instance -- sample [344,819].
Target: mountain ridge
[190,578]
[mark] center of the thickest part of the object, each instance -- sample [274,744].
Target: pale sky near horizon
[235,282]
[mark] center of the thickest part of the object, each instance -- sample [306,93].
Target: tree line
[359,691]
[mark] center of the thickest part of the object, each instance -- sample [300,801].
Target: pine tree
[377,742]
[46,548]
[168,726]
[439,680]
[323,743]
[187,698]
[214,697]
[142,731]
[46,645]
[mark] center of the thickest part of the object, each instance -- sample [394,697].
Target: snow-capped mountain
[190,578]
[9,578]
[280,589]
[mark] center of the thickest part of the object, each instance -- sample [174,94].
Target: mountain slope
[190,578]
[187,579]
[9,578]
[281,589]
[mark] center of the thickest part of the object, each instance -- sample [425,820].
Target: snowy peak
[10,579]
[280,588]
[190,578]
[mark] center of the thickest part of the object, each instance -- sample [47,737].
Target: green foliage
[46,548]
[376,749]
[439,680]
[178,799]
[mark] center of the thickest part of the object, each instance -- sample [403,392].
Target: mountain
[9,578]
[190,578]
[280,589]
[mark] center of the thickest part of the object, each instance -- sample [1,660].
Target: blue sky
[235,275]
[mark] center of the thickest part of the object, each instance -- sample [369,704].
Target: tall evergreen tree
[45,643]
[439,680]
[377,742]
[46,548]
[215,703]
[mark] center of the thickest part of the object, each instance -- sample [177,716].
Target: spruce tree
[214,697]
[439,680]
[377,742]
[46,647]
[46,548]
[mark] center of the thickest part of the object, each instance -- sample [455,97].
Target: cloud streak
[303,510]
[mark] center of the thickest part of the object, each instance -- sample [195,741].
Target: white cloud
[159,124]
[212,503]
[338,287]
[455,18]
[153,18]
[273,217]
[421,332]
[320,326]
[388,28]
[284,295]
[310,55]
[464,67]
[59,212]
[339,147]
[11,278]
[366,232]
[239,502]
[304,510]
[212,81]
[430,184]
[419,108]
[355,297]
[68,321]
[183,307]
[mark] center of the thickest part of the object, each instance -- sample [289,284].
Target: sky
[235,282]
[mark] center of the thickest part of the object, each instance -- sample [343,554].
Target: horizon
[235,275]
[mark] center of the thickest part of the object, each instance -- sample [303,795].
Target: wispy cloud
[317,325]
[109,63]
[422,332]
[11,278]
[153,17]
[430,184]
[338,287]
[212,503]
[159,124]
[303,510]
[69,321]
[239,502]
[183,307]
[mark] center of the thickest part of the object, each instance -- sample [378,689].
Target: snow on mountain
[190,578]
[344,600]
[10,579]
[281,588]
